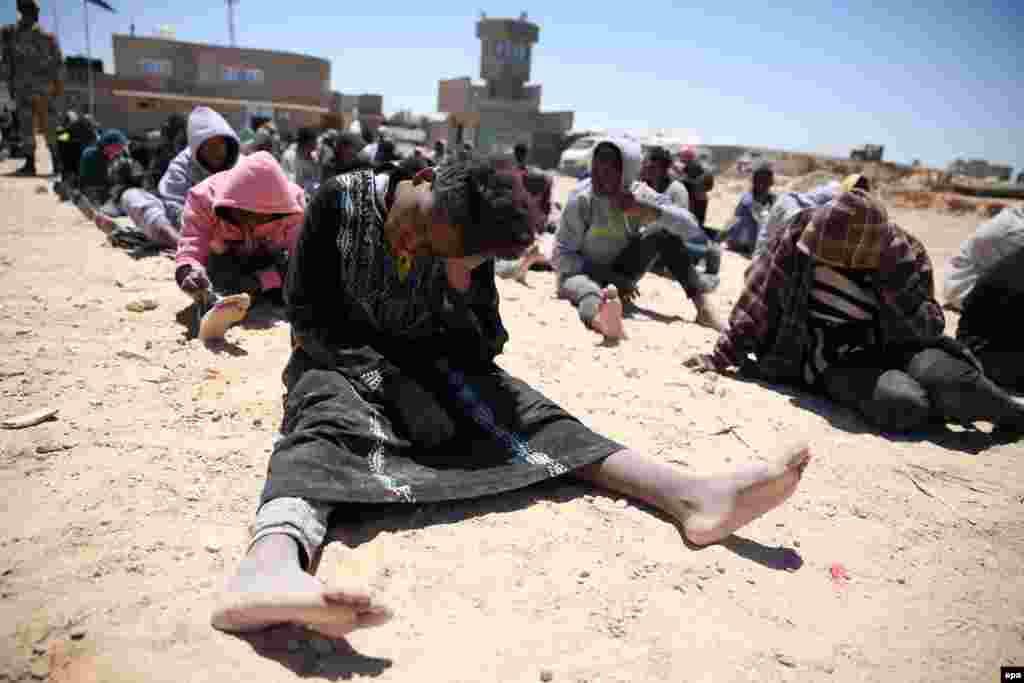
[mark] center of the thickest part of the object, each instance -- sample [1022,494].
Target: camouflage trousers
[36,113]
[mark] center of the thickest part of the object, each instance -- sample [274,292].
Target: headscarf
[849,232]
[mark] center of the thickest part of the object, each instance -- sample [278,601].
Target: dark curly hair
[481,200]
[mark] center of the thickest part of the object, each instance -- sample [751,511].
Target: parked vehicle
[575,161]
[868,153]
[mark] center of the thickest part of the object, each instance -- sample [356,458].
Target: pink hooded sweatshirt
[256,184]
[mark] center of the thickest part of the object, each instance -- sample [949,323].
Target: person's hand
[196,283]
[629,295]
[701,363]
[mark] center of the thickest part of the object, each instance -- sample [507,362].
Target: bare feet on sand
[266,594]
[733,501]
[225,313]
[104,223]
[608,321]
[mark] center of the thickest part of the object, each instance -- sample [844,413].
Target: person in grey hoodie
[612,229]
[212,147]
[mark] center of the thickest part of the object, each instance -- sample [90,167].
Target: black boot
[28,170]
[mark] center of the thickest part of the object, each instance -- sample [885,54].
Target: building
[504,109]
[156,76]
[979,168]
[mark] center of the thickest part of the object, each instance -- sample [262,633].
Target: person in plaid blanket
[843,302]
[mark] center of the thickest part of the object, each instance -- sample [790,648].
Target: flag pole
[56,20]
[88,52]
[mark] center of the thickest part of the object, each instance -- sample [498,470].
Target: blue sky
[931,80]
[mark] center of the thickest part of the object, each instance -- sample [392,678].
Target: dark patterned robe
[393,393]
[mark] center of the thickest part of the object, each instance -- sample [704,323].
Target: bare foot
[608,321]
[531,256]
[256,599]
[733,501]
[707,317]
[225,313]
[104,223]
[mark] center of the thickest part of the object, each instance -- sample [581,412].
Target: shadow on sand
[309,655]
[966,439]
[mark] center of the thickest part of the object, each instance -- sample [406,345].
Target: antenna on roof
[231,21]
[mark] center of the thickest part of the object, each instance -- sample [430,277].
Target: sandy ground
[120,520]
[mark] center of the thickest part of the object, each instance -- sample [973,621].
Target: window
[240,74]
[155,67]
[585,143]
[508,52]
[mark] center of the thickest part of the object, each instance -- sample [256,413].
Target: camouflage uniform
[32,65]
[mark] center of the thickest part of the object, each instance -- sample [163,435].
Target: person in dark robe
[394,394]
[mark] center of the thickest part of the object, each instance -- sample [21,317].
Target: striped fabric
[842,317]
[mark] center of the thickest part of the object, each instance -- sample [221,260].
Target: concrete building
[503,110]
[155,76]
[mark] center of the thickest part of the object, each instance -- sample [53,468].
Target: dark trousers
[1005,368]
[233,274]
[584,290]
[900,392]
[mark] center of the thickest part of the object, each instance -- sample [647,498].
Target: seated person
[237,232]
[75,134]
[212,147]
[655,174]
[698,181]
[608,240]
[94,168]
[786,207]
[173,140]
[983,325]
[346,157]
[994,240]
[538,186]
[394,395]
[299,161]
[843,303]
[752,211]
[126,179]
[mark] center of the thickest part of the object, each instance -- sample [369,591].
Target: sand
[122,518]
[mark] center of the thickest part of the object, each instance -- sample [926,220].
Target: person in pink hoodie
[238,229]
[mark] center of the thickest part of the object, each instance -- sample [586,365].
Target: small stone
[584,574]
[257,422]
[39,649]
[77,633]
[901,582]
[322,646]
[785,660]
[213,549]
[721,570]
[546,675]
[796,544]
[142,305]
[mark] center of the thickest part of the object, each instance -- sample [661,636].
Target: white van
[575,160]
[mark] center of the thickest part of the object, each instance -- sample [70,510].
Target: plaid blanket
[770,318]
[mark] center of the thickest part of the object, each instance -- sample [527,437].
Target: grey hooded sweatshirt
[185,171]
[593,231]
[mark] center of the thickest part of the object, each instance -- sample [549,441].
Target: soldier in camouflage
[32,67]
